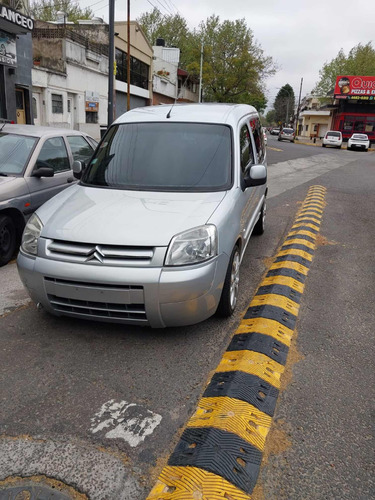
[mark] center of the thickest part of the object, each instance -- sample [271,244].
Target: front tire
[229,295]
[7,239]
[261,224]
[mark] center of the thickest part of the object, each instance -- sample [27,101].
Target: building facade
[165,68]
[70,76]
[355,106]
[15,64]
[141,58]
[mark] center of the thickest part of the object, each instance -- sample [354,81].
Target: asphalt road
[100,407]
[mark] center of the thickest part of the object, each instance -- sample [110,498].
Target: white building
[70,76]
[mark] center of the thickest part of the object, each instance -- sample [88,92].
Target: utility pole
[200,75]
[128,59]
[111,57]
[299,103]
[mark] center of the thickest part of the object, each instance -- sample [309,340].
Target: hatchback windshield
[361,137]
[288,131]
[14,152]
[333,134]
[164,157]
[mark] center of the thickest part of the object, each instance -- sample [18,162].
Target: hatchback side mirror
[256,175]
[43,172]
[78,167]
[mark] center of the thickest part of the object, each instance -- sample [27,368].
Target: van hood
[116,217]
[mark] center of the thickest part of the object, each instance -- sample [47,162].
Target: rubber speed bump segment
[219,454]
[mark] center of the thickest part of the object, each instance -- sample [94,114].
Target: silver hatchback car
[155,231]
[35,164]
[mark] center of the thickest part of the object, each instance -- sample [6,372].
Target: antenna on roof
[170,111]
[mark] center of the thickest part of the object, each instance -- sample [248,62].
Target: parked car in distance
[332,138]
[275,131]
[153,235]
[359,141]
[264,136]
[35,164]
[286,134]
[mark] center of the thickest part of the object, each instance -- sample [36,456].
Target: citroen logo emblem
[95,255]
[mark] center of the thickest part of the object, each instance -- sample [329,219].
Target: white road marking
[127,421]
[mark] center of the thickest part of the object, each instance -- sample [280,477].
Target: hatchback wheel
[229,295]
[7,239]
[261,224]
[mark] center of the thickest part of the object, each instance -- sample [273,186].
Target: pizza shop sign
[16,18]
[348,86]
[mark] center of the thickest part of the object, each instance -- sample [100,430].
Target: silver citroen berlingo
[154,232]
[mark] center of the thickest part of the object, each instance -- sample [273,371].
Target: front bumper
[151,296]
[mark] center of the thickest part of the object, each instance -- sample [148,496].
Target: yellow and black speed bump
[246,387]
[258,342]
[219,454]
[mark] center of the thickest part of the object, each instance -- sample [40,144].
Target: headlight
[31,235]
[193,246]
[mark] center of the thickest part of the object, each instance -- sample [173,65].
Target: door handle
[70,179]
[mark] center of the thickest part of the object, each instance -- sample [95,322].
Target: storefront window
[370,125]
[359,126]
[348,124]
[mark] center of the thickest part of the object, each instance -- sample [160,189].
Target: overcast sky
[300,35]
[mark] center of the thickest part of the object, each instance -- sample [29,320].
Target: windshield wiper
[4,175]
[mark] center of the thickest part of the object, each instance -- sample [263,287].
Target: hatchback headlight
[31,235]
[193,246]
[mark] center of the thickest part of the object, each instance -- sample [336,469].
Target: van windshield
[163,157]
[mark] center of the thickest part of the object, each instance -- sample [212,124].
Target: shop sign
[92,101]
[8,51]
[15,17]
[355,87]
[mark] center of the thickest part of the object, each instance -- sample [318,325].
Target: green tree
[359,61]
[46,10]
[271,117]
[173,29]
[234,65]
[284,104]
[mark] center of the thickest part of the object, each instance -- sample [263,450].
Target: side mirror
[77,169]
[43,172]
[256,175]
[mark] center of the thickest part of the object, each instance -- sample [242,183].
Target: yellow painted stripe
[267,327]
[308,217]
[295,251]
[311,211]
[299,241]
[304,233]
[233,415]
[254,363]
[284,280]
[312,204]
[302,221]
[302,224]
[192,483]
[272,299]
[290,265]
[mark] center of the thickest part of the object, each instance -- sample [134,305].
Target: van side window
[245,145]
[258,139]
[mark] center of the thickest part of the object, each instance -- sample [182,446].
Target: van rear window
[163,157]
